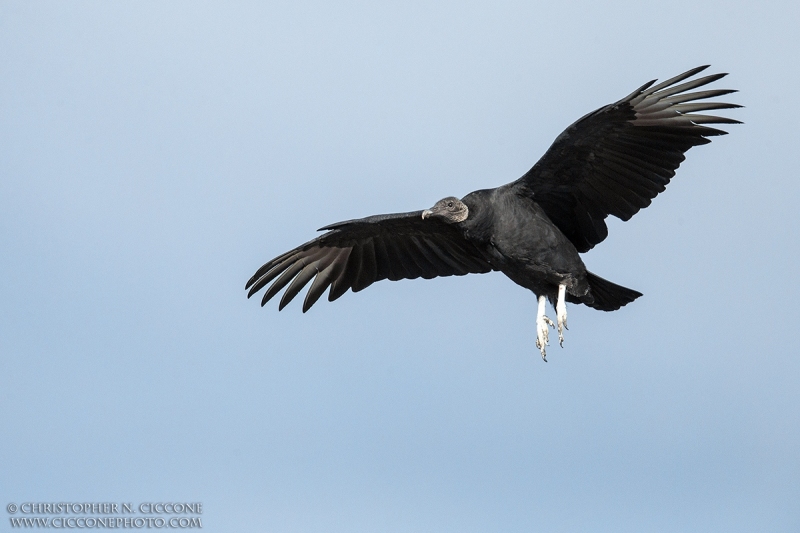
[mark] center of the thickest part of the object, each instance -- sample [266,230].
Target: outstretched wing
[357,253]
[615,160]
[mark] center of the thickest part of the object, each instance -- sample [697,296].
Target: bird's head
[450,209]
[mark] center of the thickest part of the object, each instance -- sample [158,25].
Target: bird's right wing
[356,253]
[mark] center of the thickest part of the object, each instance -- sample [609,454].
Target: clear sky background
[153,155]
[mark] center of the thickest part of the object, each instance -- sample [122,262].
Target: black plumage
[613,161]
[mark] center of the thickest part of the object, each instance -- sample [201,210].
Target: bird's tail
[607,296]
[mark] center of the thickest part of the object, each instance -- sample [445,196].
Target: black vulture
[613,161]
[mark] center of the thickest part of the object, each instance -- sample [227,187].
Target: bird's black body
[521,241]
[613,161]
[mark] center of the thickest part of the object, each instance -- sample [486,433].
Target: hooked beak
[427,213]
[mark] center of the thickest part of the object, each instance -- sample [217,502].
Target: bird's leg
[542,323]
[561,312]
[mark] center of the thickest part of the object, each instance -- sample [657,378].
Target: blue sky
[153,155]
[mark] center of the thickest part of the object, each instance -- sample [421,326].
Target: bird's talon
[543,323]
[561,313]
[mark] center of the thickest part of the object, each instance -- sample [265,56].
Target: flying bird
[613,161]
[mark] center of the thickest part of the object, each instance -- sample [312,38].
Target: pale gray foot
[543,323]
[561,313]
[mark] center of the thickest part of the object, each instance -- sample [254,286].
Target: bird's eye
[449,204]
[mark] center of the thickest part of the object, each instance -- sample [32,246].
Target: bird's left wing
[356,253]
[615,160]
